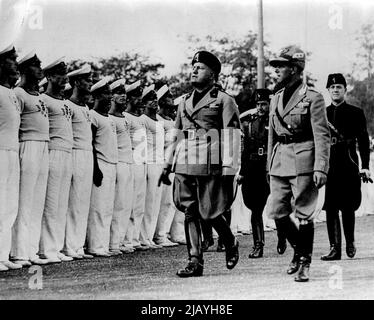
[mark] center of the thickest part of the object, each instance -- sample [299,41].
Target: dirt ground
[151,275]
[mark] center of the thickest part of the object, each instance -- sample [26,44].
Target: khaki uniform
[296,151]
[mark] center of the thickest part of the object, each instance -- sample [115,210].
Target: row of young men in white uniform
[52,149]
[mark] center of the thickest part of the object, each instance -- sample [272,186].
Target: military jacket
[304,115]
[207,136]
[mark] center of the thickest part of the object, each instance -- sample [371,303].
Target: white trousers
[9,189]
[34,164]
[56,203]
[167,212]
[137,212]
[123,201]
[152,203]
[79,202]
[101,210]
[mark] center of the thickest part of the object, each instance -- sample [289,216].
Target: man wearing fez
[255,187]
[60,164]
[124,176]
[34,163]
[298,156]
[80,81]
[105,157]
[343,188]
[9,159]
[206,156]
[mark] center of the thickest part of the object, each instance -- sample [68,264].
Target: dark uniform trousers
[343,187]
[255,188]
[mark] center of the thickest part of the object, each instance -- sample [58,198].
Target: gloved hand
[164,177]
[365,176]
[239,179]
[97,176]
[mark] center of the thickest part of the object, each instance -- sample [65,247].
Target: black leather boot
[282,243]
[207,231]
[350,249]
[305,249]
[294,264]
[232,255]
[220,245]
[257,251]
[286,229]
[194,268]
[335,236]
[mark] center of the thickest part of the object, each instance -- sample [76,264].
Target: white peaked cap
[161,92]
[117,83]
[101,83]
[26,57]
[133,86]
[86,69]
[248,113]
[43,82]
[147,90]
[54,63]
[7,48]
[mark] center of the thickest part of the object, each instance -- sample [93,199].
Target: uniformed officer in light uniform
[139,145]
[9,159]
[104,180]
[255,188]
[80,81]
[298,156]
[155,162]
[167,208]
[60,164]
[206,160]
[124,176]
[34,163]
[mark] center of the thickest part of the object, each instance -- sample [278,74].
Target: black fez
[209,59]
[336,78]
[262,95]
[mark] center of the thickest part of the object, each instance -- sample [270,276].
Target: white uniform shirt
[138,137]
[105,141]
[169,134]
[9,119]
[123,139]
[155,140]
[34,117]
[81,123]
[60,128]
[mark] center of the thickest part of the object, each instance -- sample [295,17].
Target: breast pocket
[210,116]
[299,116]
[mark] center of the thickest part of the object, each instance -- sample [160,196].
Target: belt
[287,139]
[259,155]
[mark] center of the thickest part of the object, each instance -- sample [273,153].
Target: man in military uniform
[207,129]
[255,188]
[298,156]
[343,187]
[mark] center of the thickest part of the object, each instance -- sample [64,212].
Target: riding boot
[220,245]
[335,236]
[348,217]
[258,236]
[305,250]
[207,234]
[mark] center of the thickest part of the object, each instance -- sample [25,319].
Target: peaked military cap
[100,84]
[162,91]
[292,55]
[120,83]
[30,57]
[84,70]
[8,49]
[147,91]
[335,78]
[208,59]
[56,66]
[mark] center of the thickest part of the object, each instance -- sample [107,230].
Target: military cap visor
[336,78]
[208,59]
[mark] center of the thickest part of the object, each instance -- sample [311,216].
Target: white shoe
[154,246]
[39,261]
[64,258]
[23,263]
[125,249]
[11,266]
[3,268]
[86,256]
[167,243]
[115,252]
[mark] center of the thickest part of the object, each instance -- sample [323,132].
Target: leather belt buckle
[191,134]
[260,151]
[334,140]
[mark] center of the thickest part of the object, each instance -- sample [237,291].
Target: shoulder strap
[282,122]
